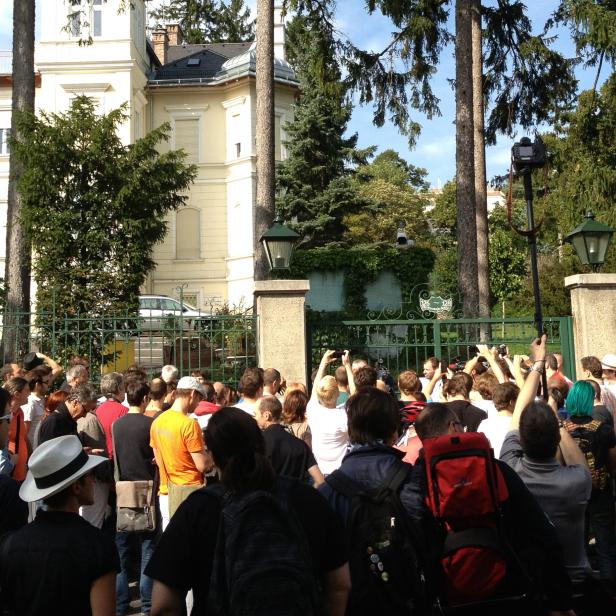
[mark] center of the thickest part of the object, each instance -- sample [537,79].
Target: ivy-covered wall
[361,267]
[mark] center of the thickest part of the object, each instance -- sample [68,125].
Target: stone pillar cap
[590,280]
[281,287]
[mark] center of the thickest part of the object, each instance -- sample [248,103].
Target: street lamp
[591,241]
[279,242]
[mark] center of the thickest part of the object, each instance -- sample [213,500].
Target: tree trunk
[465,168]
[264,210]
[17,268]
[481,198]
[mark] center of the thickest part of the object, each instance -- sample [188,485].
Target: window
[97,18]
[238,150]
[75,23]
[137,131]
[277,140]
[4,141]
[187,137]
[170,304]
[187,234]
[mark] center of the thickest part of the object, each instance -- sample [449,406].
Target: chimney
[160,42]
[175,34]
[279,31]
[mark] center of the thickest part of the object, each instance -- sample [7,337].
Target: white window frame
[184,112]
[4,141]
[175,233]
[96,9]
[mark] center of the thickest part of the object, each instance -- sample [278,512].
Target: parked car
[159,312]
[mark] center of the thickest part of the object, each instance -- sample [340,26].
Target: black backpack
[262,563]
[386,573]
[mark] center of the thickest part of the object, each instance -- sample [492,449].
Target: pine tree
[209,21]
[314,182]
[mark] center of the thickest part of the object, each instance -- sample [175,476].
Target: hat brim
[608,367]
[29,492]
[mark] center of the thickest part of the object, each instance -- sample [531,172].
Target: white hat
[54,466]
[190,382]
[609,362]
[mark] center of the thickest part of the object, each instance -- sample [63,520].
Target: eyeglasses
[6,418]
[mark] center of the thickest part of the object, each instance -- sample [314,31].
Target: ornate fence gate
[405,344]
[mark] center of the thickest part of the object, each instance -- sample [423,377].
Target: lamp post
[591,241]
[278,242]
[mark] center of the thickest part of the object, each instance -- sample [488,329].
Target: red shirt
[107,413]
[18,445]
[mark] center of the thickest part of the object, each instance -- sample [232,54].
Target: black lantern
[591,240]
[279,242]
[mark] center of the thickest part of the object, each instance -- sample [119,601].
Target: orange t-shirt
[19,472]
[174,437]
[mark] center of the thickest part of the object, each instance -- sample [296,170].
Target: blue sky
[435,149]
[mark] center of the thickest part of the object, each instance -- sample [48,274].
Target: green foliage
[361,266]
[209,21]
[314,183]
[388,187]
[442,216]
[94,207]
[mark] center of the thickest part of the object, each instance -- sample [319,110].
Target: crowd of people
[473,488]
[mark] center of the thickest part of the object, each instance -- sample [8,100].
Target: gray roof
[228,50]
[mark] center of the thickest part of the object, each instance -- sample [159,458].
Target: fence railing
[405,344]
[220,346]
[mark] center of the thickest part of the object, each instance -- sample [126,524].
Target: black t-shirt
[59,423]
[50,565]
[184,556]
[470,416]
[289,455]
[602,439]
[131,439]
[600,412]
[13,511]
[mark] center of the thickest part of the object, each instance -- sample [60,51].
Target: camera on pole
[527,155]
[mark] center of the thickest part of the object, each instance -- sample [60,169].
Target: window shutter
[187,137]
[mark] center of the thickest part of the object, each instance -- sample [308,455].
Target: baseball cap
[609,362]
[190,382]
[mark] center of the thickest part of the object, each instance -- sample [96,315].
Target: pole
[532,247]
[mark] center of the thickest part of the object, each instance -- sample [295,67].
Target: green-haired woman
[597,441]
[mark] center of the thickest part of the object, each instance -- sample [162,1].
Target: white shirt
[487,406]
[330,435]
[33,411]
[247,407]
[496,427]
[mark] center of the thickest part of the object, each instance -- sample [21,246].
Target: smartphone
[337,354]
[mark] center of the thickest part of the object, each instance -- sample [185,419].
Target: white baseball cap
[190,382]
[609,362]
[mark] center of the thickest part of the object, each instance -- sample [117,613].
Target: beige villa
[205,92]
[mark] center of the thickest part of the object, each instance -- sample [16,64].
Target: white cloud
[442,147]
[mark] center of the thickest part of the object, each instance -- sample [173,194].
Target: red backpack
[465,492]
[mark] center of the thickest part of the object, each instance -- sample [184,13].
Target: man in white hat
[608,363]
[59,563]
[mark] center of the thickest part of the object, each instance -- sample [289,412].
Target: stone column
[593,306]
[281,341]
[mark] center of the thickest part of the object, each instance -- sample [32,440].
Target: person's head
[224,396]
[435,420]
[251,383]
[591,366]
[53,400]
[5,416]
[459,385]
[539,431]
[268,411]
[504,396]
[188,394]
[357,364]
[77,375]
[341,378]
[238,449]
[373,416]
[295,387]
[409,383]
[327,391]
[430,366]
[136,372]
[485,385]
[112,385]
[365,376]
[551,363]
[61,474]
[38,384]
[19,391]
[294,407]
[580,399]
[81,399]
[271,380]
[608,364]
[169,374]
[158,390]
[208,391]
[79,360]
[137,393]
[558,390]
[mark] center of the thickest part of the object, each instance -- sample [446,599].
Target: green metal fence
[221,346]
[405,344]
